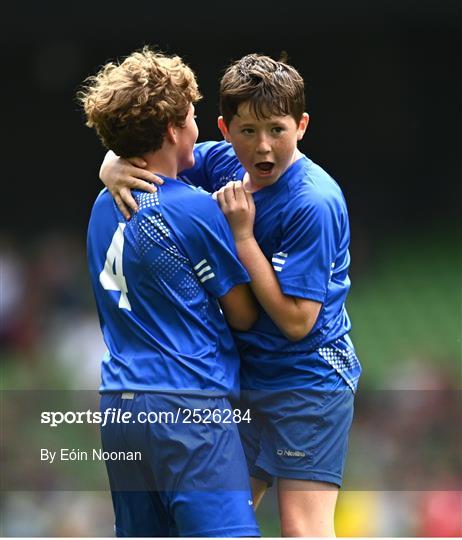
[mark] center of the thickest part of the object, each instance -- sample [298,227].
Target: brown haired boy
[159,281]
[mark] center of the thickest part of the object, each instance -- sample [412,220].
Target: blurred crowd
[48,317]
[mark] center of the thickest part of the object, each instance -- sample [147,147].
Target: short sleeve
[208,241]
[305,258]
[213,161]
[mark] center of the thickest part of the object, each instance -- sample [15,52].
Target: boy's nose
[263,146]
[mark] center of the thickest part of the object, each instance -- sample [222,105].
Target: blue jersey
[156,281]
[302,228]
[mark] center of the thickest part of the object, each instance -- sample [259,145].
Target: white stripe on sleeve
[207,277]
[199,264]
[279,261]
[203,270]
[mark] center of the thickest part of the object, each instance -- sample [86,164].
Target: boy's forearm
[282,309]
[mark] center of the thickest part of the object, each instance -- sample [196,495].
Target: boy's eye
[278,129]
[247,131]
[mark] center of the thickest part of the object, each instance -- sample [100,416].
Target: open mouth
[265,167]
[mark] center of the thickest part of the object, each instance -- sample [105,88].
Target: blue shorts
[189,479]
[299,433]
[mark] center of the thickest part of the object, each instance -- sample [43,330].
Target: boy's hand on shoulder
[121,175]
[239,208]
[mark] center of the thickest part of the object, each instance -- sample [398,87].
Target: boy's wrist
[245,243]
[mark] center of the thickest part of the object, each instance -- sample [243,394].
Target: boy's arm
[239,307]
[295,317]
[121,175]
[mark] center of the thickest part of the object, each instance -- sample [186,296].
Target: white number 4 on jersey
[112,277]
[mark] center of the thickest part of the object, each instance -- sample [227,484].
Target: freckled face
[266,147]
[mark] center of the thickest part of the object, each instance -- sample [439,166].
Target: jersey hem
[303,292]
[233,281]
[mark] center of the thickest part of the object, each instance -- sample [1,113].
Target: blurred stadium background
[384,94]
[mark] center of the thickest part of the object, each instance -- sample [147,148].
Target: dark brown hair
[270,87]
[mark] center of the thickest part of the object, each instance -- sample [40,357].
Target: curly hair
[270,87]
[131,103]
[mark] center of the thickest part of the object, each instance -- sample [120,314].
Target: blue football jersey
[302,227]
[156,280]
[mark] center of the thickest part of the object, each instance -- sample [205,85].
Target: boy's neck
[161,162]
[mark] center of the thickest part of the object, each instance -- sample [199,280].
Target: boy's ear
[223,128]
[171,133]
[302,126]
